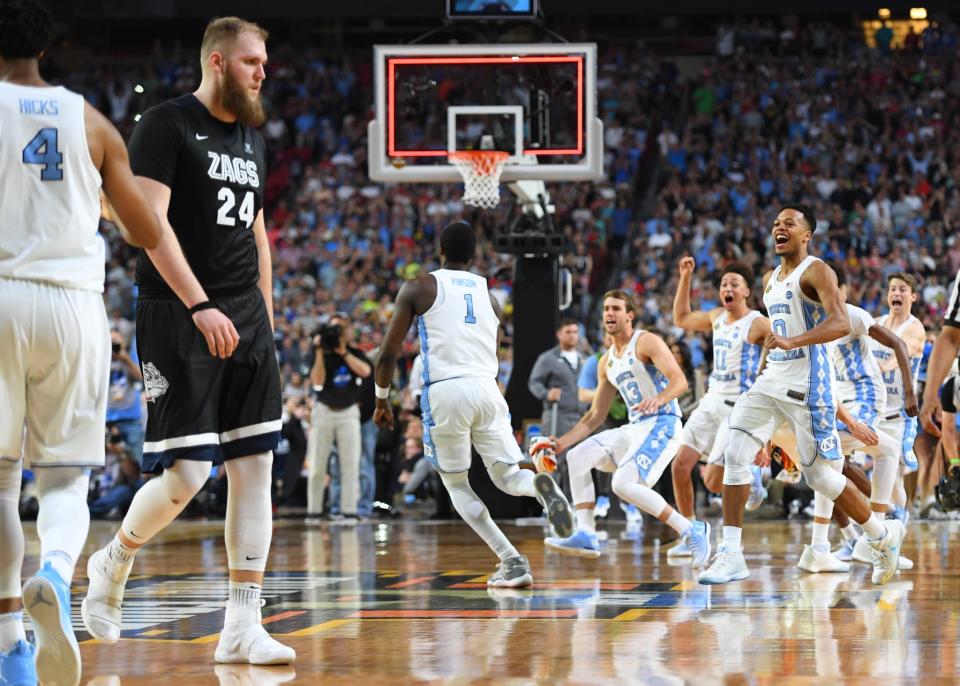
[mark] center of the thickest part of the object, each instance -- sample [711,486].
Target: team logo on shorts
[827,444]
[154,384]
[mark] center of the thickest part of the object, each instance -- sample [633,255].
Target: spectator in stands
[125,402]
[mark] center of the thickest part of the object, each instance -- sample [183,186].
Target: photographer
[337,376]
[125,404]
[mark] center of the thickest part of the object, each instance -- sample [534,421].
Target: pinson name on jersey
[233,169]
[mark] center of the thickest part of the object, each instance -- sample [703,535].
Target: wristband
[205,305]
[381,392]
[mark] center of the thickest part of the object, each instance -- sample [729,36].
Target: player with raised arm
[459,326]
[56,151]
[738,333]
[640,367]
[860,399]
[205,336]
[806,313]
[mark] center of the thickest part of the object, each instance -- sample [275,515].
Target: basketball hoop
[481,171]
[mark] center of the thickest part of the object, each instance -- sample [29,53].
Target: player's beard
[236,99]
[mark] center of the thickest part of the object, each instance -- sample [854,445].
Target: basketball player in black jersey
[205,335]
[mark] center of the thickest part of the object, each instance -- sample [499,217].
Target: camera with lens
[330,335]
[116,348]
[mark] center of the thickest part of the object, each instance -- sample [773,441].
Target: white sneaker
[862,553]
[906,564]
[251,675]
[101,609]
[817,561]
[886,552]
[728,565]
[244,640]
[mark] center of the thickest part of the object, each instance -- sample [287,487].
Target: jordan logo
[154,384]
[38,599]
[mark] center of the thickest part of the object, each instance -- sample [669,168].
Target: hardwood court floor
[407,602]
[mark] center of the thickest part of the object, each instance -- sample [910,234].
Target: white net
[481,171]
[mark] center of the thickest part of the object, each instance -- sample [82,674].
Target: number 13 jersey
[49,190]
[637,381]
[216,172]
[458,334]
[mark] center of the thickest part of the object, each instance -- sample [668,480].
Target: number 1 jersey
[458,334]
[216,172]
[49,190]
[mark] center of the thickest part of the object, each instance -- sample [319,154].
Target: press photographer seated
[337,376]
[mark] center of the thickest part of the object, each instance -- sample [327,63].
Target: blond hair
[223,31]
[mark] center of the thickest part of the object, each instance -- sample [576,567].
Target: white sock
[731,537]
[874,528]
[679,523]
[121,556]
[11,630]
[243,602]
[821,538]
[850,532]
[585,520]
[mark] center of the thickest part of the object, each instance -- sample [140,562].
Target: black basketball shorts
[200,407]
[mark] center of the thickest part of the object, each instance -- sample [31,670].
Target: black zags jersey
[216,172]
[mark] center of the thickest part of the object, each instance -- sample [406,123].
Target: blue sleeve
[588,374]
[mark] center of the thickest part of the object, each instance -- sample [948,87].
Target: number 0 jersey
[637,381]
[216,172]
[458,334]
[49,190]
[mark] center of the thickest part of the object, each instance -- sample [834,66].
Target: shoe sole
[577,552]
[706,537]
[558,509]
[84,613]
[519,582]
[714,581]
[58,654]
[812,570]
[685,553]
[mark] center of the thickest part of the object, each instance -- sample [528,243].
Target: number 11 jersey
[49,190]
[458,334]
[216,172]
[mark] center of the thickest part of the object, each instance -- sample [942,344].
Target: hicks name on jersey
[233,169]
[37,107]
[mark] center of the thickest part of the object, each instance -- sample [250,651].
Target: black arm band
[205,305]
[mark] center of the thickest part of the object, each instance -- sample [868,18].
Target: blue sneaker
[602,507]
[680,549]
[581,543]
[17,668]
[757,492]
[845,552]
[46,598]
[697,539]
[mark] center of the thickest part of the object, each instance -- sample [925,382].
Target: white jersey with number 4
[458,334]
[49,190]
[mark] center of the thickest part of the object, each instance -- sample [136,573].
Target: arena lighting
[138,88]
[918,12]
[136,117]
[883,13]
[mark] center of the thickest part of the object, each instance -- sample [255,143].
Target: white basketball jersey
[458,334]
[858,374]
[893,379]
[50,190]
[637,381]
[735,361]
[803,374]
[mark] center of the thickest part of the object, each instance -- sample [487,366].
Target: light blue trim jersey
[893,379]
[735,361]
[858,374]
[636,381]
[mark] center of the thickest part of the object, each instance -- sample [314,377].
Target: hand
[762,458]
[553,395]
[221,336]
[650,405]
[864,434]
[686,266]
[930,415]
[383,415]
[341,349]
[910,403]
[543,452]
[773,341]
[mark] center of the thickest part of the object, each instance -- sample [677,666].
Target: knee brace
[824,479]
[738,456]
[465,501]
